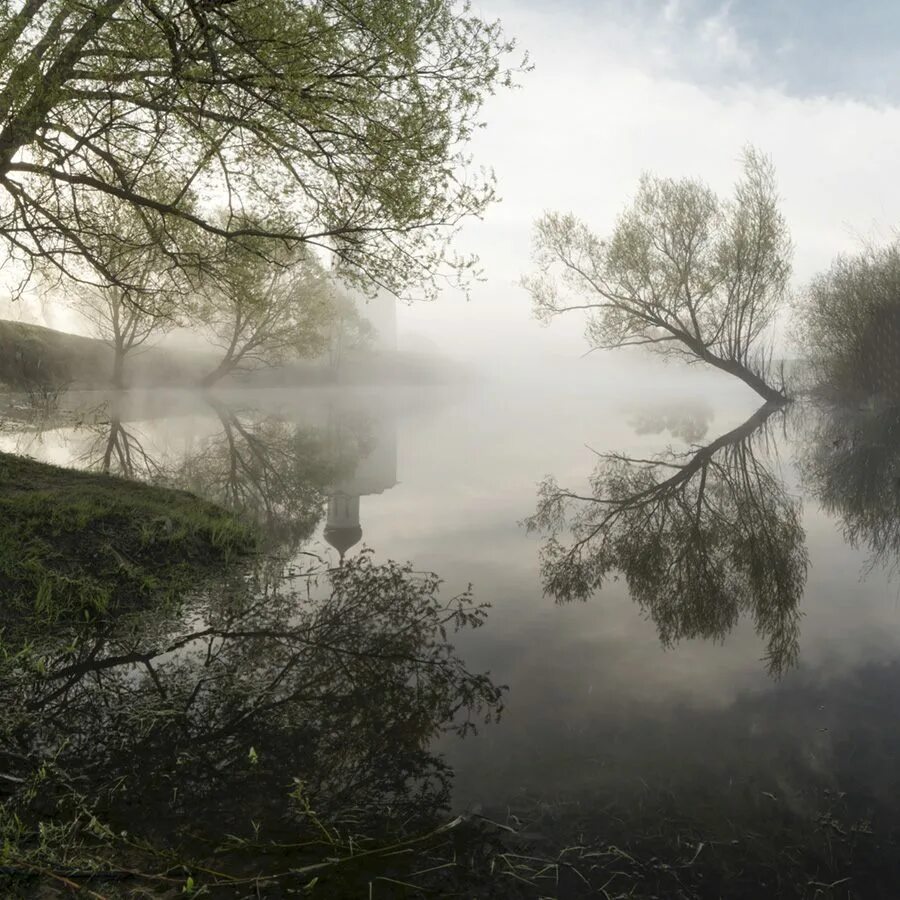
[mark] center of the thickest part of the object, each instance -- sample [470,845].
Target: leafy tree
[684,272]
[848,324]
[341,123]
[700,538]
[121,323]
[262,308]
[146,291]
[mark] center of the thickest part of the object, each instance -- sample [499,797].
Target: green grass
[78,543]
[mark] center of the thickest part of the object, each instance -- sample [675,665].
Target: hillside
[38,359]
[34,358]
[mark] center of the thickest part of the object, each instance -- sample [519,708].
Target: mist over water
[447,457]
[445,477]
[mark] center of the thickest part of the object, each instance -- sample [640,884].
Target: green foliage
[848,324]
[73,544]
[684,272]
[261,305]
[273,735]
[341,124]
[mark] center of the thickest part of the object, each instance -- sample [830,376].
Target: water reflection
[243,726]
[606,737]
[274,471]
[115,447]
[851,464]
[687,422]
[701,537]
[283,474]
[366,468]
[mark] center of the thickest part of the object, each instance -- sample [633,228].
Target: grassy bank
[77,543]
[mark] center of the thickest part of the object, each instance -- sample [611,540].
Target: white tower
[379,318]
[374,473]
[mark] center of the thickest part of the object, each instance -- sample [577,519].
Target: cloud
[599,109]
[720,36]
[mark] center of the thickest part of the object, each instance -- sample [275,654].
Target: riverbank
[43,363]
[77,543]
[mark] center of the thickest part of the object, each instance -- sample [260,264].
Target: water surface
[625,721]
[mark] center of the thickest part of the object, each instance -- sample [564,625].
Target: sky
[676,87]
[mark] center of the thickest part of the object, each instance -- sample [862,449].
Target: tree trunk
[738,369]
[118,367]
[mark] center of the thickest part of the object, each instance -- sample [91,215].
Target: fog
[260,579]
[615,92]
[618,89]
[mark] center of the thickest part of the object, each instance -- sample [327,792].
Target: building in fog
[370,325]
[369,455]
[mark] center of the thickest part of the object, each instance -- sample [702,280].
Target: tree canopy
[684,272]
[848,324]
[263,308]
[339,123]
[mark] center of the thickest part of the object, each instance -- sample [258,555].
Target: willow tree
[341,123]
[684,272]
[848,324]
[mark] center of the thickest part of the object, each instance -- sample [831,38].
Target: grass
[77,543]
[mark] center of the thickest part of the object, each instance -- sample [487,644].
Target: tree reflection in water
[275,472]
[851,465]
[261,727]
[701,538]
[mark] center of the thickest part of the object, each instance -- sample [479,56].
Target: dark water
[732,703]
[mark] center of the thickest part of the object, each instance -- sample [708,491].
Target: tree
[340,123]
[122,323]
[684,272]
[700,538]
[262,308]
[848,324]
[145,290]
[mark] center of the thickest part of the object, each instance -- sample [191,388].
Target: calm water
[620,716]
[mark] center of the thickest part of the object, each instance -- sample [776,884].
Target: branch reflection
[852,466]
[701,537]
[253,717]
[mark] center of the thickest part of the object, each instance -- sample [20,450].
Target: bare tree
[684,272]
